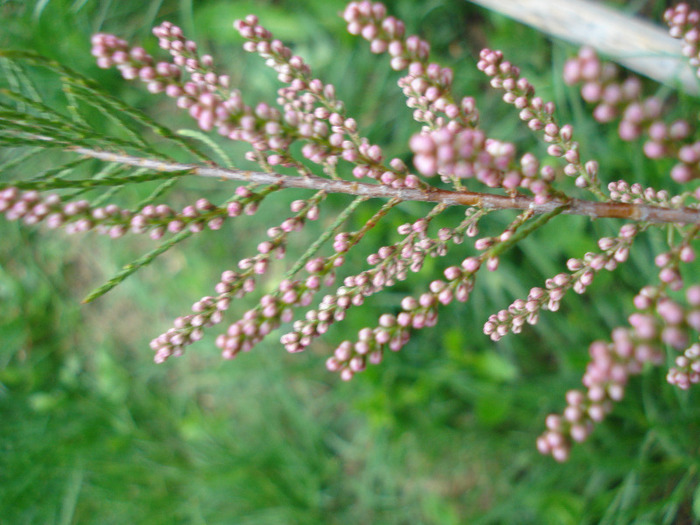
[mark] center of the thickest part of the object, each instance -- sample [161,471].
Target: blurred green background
[92,431]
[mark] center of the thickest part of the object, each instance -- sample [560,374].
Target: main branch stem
[596,210]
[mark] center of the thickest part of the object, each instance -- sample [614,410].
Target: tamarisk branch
[596,210]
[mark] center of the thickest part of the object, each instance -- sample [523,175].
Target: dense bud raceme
[156,220]
[209,310]
[310,132]
[659,321]
[615,250]
[638,116]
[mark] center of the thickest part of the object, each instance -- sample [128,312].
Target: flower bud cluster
[321,270]
[539,116]
[327,134]
[394,331]
[615,250]
[349,359]
[209,310]
[668,264]
[298,100]
[206,312]
[273,310]
[684,24]
[312,108]
[600,86]
[159,219]
[276,307]
[658,321]
[136,63]
[290,69]
[111,51]
[33,207]
[185,55]
[664,319]
[385,34]
[207,97]
[428,86]
[465,153]
[639,116]
[390,264]
[622,191]
[453,152]
[687,369]
[605,379]
[79,216]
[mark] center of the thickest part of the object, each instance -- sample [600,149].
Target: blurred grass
[93,432]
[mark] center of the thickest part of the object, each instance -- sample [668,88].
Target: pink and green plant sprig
[456,154]
[450,144]
[394,331]
[390,264]
[277,306]
[659,321]
[684,24]
[669,262]
[600,86]
[210,310]
[206,95]
[539,116]
[638,115]
[686,371]
[428,86]
[615,250]
[321,270]
[622,191]
[33,207]
[312,105]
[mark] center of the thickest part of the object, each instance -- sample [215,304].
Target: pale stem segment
[595,210]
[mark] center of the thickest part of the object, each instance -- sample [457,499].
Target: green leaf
[206,139]
[136,265]
[90,88]
[55,183]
